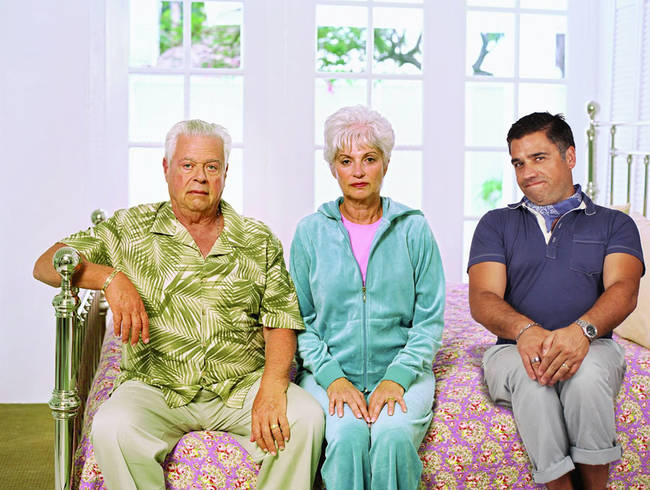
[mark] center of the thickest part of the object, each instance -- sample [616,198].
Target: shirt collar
[232,235]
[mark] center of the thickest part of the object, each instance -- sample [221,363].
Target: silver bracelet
[533,324]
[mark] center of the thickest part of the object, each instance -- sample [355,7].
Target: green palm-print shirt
[205,314]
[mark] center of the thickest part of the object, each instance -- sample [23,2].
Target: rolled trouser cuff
[596,456]
[554,472]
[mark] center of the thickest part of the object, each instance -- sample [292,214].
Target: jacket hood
[391,209]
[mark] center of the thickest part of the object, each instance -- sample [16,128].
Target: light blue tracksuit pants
[383,456]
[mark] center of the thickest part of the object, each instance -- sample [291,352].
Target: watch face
[591,330]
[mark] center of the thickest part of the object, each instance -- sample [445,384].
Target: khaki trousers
[134,430]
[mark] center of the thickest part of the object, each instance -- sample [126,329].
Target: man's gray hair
[196,127]
[357,125]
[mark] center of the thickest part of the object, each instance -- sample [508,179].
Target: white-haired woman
[371,291]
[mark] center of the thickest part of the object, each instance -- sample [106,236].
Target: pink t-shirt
[361,238]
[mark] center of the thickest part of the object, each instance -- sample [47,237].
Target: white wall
[48,129]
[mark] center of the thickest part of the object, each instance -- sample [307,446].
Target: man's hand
[269,424]
[387,392]
[562,354]
[341,391]
[530,349]
[129,316]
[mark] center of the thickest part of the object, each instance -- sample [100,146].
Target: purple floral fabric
[471,443]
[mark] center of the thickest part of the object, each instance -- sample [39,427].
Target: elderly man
[207,314]
[551,276]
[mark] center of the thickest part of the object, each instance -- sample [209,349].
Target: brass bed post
[592,109]
[65,401]
[629,178]
[612,156]
[646,162]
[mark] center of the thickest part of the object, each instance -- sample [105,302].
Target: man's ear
[165,167]
[570,157]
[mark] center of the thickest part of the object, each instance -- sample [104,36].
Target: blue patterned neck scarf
[554,211]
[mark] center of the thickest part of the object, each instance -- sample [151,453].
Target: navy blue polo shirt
[555,283]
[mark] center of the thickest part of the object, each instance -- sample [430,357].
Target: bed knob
[98,216]
[592,109]
[66,261]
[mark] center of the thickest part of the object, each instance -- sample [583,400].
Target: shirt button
[554,239]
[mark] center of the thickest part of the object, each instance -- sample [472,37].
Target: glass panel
[216,34]
[403,180]
[155,33]
[484,181]
[490,44]
[326,187]
[490,3]
[341,38]
[155,105]
[398,40]
[146,176]
[539,97]
[468,234]
[544,4]
[219,100]
[331,95]
[400,101]
[233,193]
[542,46]
[488,113]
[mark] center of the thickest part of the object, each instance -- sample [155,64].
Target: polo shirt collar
[589,206]
[232,235]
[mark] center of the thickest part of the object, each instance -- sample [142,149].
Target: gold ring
[274,426]
[565,365]
[390,399]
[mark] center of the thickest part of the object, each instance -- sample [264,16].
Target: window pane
[403,180]
[146,177]
[398,40]
[400,101]
[399,1]
[233,193]
[488,113]
[155,105]
[326,187]
[156,33]
[542,49]
[216,34]
[484,181]
[331,95]
[490,3]
[341,38]
[539,97]
[490,44]
[219,100]
[544,4]
[468,233]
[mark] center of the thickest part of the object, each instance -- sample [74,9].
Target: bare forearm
[89,275]
[496,315]
[613,306]
[279,352]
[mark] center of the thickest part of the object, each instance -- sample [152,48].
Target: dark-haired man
[551,276]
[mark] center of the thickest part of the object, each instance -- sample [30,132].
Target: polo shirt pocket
[587,255]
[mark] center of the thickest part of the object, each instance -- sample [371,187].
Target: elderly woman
[371,292]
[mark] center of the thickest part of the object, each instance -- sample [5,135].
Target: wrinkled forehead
[198,146]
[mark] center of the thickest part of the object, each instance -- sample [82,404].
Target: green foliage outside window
[491,192]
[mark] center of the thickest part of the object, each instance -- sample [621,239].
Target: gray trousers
[570,422]
[134,430]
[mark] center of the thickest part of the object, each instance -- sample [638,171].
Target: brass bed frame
[81,324]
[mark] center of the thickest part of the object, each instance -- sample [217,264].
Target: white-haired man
[207,314]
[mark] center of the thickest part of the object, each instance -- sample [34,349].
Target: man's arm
[487,285]
[269,422]
[129,315]
[568,345]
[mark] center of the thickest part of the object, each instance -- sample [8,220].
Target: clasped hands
[550,356]
[342,391]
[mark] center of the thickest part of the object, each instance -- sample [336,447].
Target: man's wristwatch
[590,330]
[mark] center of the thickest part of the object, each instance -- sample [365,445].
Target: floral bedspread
[471,442]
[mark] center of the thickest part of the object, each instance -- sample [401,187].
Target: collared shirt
[553,281]
[205,314]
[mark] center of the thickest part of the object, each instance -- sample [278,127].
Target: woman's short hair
[357,125]
[196,127]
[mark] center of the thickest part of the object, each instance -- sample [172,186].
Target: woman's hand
[341,391]
[387,392]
